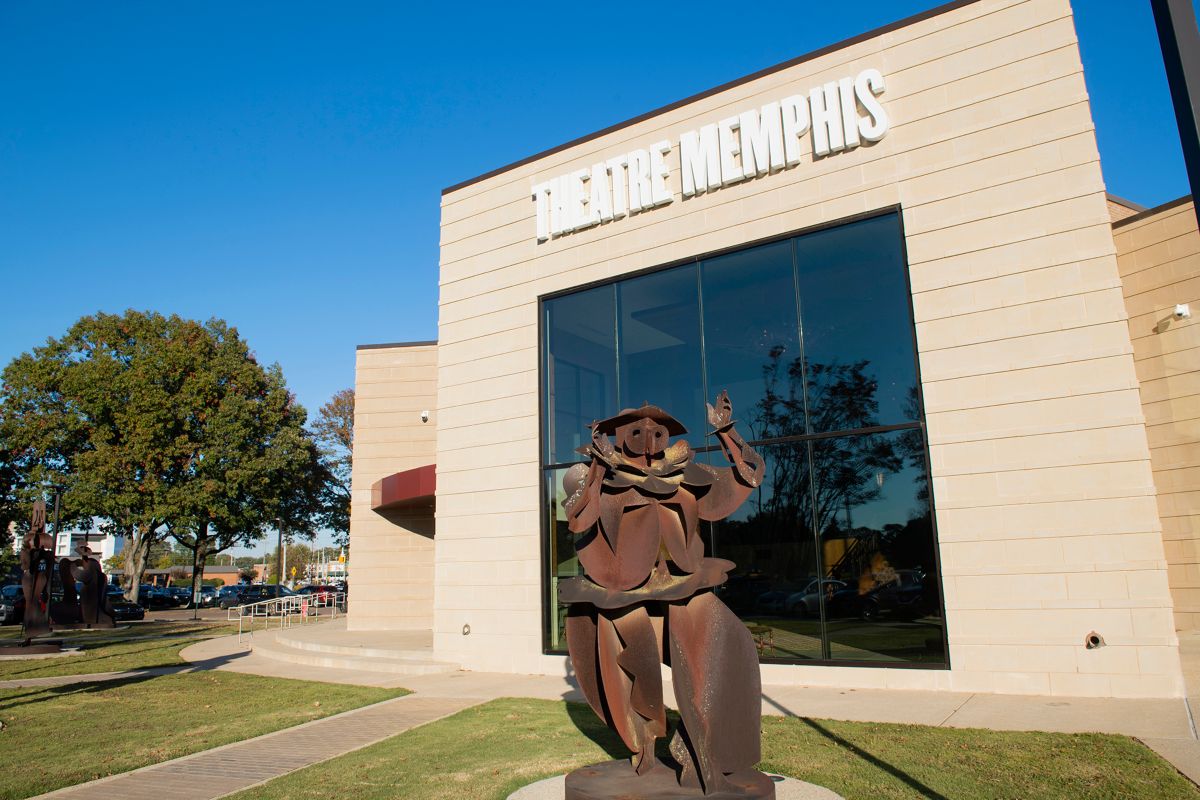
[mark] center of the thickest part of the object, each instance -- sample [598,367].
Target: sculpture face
[642,437]
[647,600]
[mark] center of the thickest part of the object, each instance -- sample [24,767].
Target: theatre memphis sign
[839,116]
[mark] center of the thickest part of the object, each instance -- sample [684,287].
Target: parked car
[12,604]
[322,593]
[771,602]
[228,593]
[741,592]
[808,603]
[902,598]
[123,610]
[182,595]
[208,596]
[254,593]
[155,597]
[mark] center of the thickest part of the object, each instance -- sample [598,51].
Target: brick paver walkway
[233,767]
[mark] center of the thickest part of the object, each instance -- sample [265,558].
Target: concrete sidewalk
[234,767]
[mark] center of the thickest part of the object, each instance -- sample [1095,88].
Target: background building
[104,545]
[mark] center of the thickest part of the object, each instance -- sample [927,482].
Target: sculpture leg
[638,666]
[581,644]
[616,656]
[37,609]
[714,667]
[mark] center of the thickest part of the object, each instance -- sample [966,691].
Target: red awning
[413,488]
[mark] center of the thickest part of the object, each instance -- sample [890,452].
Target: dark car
[741,592]
[808,602]
[208,596]
[322,593]
[903,597]
[227,596]
[181,594]
[900,595]
[123,610]
[254,593]
[12,605]
[155,597]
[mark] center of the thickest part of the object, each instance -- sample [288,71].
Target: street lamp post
[279,553]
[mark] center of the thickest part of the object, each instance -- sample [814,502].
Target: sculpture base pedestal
[784,789]
[616,779]
[32,649]
[81,626]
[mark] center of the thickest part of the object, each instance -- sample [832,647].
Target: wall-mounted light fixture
[425,416]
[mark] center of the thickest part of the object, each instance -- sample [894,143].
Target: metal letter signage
[646,600]
[838,117]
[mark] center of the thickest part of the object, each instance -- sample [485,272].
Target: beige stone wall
[1118,211]
[1159,259]
[1045,503]
[391,555]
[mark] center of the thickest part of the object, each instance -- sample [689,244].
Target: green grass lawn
[141,645]
[487,752]
[60,736]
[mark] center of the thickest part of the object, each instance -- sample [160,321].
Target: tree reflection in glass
[812,336]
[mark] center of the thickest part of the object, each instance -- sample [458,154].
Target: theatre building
[959,357]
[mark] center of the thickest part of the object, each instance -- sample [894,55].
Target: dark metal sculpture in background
[43,613]
[37,572]
[94,608]
[646,599]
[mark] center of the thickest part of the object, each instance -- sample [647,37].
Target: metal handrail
[289,609]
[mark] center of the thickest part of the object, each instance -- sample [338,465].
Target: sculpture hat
[85,551]
[609,426]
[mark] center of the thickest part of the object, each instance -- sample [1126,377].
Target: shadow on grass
[54,692]
[156,645]
[128,678]
[593,727]
[890,769]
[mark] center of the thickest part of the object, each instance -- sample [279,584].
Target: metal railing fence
[290,610]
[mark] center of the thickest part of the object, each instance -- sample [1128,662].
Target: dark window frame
[544,466]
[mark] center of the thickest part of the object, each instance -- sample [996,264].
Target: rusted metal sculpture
[646,599]
[37,571]
[73,609]
[94,607]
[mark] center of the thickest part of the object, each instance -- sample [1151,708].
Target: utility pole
[279,553]
[1180,41]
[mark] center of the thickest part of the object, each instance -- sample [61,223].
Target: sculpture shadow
[891,769]
[37,694]
[586,721]
[43,693]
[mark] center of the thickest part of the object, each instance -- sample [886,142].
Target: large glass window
[812,336]
[658,344]
[581,369]
[858,331]
[752,336]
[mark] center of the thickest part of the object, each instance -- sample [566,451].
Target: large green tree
[333,430]
[9,509]
[157,425]
[253,466]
